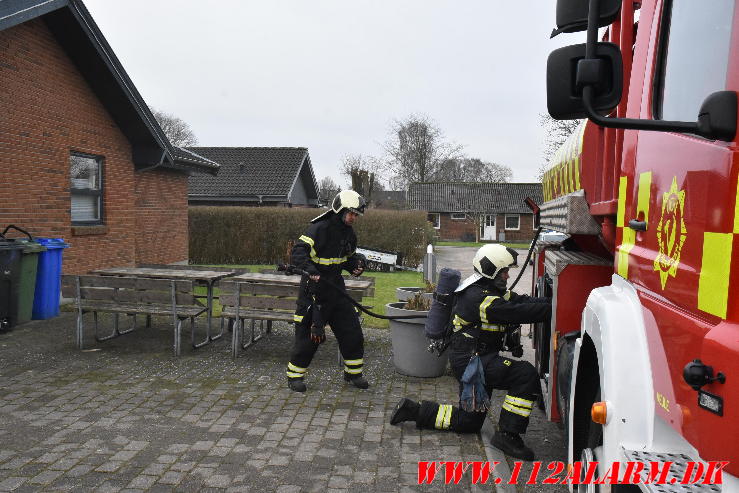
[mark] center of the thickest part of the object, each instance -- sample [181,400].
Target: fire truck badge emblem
[671,233]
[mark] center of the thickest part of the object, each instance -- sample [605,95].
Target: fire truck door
[678,209]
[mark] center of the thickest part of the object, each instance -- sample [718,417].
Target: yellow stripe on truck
[628,235]
[628,238]
[713,284]
[622,187]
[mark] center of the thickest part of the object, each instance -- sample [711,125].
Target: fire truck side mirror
[568,71]
[717,116]
[572,15]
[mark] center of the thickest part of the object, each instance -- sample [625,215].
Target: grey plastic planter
[406,293]
[410,355]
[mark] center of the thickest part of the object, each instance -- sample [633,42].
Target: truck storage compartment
[571,276]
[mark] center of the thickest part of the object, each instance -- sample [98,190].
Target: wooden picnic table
[205,277]
[364,287]
[358,284]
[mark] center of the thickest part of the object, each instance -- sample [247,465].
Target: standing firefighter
[482,318]
[327,248]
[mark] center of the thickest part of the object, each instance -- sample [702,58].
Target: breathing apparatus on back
[487,263]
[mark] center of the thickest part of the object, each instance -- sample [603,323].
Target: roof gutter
[106,52]
[161,161]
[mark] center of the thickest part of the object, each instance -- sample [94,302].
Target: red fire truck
[641,359]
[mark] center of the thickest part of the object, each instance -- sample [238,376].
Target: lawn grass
[385,284]
[520,246]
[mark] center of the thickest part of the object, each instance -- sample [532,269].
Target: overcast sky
[332,75]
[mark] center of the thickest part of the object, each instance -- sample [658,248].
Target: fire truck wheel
[565,357]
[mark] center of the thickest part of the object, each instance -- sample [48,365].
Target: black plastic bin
[10,278]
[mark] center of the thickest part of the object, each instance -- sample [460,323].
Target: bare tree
[176,129]
[415,149]
[472,170]
[557,132]
[363,173]
[327,190]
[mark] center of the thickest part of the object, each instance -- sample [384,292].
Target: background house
[389,199]
[256,176]
[488,211]
[82,156]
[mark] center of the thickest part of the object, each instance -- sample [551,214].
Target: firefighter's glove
[312,271]
[360,263]
[318,333]
[517,351]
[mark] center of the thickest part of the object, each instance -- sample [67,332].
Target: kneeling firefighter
[482,325]
[327,248]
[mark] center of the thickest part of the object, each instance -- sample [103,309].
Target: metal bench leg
[255,338]
[269,326]
[80,331]
[178,326]
[251,338]
[219,335]
[199,344]
[133,326]
[235,340]
[112,335]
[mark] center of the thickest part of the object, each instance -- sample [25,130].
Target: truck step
[676,474]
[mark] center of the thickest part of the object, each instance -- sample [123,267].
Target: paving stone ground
[126,415]
[129,416]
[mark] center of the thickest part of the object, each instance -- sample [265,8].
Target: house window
[459,216]
[86,188]
[433,218]
[512,221]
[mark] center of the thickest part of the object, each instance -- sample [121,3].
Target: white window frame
[505,222]
[436,224]
[453,214]
[88,191]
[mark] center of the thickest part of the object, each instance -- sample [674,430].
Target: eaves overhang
[79,36]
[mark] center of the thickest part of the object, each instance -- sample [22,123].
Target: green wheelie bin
[28,270]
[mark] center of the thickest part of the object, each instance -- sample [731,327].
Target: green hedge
[260,235]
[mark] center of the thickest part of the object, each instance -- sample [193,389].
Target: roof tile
[248,171]
[473,197]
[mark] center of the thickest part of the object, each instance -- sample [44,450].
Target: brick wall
[524,234]
[456,230]
[48,110]
[161,217]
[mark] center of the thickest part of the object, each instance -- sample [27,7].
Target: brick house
[256,176]
[478,211]
[83,158]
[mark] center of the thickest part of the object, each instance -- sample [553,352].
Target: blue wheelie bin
[48,279]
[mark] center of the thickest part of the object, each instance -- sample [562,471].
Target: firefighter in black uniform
[482,318]
[327,248]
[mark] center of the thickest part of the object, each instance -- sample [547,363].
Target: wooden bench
[260,301]
[132,296]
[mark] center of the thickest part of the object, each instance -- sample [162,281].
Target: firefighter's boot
[405,410]
[357,380]
[296,384]
[512,444]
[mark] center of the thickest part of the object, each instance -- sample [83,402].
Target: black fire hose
[528,257]
[291,269]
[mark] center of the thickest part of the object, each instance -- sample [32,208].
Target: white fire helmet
[344,200]
[488,261]
[348,199]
